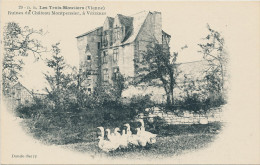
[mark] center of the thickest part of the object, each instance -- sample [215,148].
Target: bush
[29,110]
[197,104]
[70,125]
[139,103]
[192,103]
[76,119]
[214,101]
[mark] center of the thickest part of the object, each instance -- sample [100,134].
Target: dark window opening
[116,73]
[117,33]
[104,59]
[105,38]
[105,75]
[115,55]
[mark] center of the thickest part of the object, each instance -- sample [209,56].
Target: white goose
[113,138]
[142,140]
[148,136]
[123,140]
[131,139]
[116,132]
[117,137]
[105,145]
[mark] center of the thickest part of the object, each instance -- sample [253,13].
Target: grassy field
[172,140]
[164,147]
[82,137]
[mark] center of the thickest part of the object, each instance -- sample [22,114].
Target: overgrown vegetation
[214,52]
[18,43]
[158,64]
[70,113]
[70,126]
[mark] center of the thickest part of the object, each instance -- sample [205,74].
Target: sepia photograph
[127,82]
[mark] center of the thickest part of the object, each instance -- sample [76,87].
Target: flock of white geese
[116,140]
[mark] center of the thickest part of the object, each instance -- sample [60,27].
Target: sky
[185,22]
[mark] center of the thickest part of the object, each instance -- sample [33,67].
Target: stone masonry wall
[213,115]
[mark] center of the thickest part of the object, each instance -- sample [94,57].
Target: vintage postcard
[130,82]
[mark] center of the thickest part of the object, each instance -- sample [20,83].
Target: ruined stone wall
[89,45]
[213,115]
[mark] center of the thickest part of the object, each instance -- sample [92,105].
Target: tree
[59,81]
[214,53]
[18,42]
[79,88]
[118,80]
[159,64]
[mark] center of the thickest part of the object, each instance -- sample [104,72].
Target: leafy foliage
[119,83]
[18,43]
[141,102]
[214,53]
[57,63]
[158,63]
[63,86]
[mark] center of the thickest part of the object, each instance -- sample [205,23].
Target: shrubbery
[198,96]
[31,110]
[195,104]
[76,120]
[141,102]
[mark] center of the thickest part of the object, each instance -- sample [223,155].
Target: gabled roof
[31,89]
[125,20]
[164,33]
[138,21]
[21,85]
[133,25]
[110,21]
[84,34]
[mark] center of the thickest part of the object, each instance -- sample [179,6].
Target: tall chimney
[157,17]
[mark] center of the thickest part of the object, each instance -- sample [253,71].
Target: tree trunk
[168,99]
[167,91]
[172,82]
[171,97]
